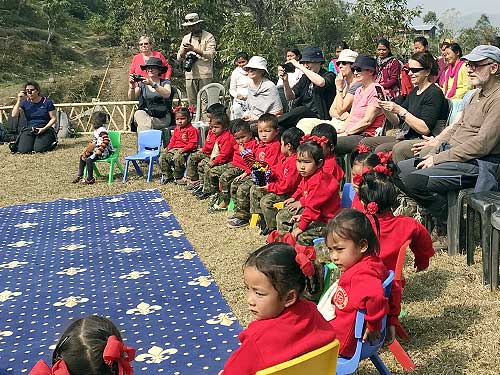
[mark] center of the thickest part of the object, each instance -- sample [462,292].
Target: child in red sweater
[222,152]
[282,183]
[183,141]
[354,248]
[285,325]
[266,151]
[378,194]
[364,159]
[328,144]
[315,201]
[219,179]
[192,175]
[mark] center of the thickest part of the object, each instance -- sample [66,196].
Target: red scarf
[452,72]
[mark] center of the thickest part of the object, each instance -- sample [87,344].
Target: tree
[54,11]
[482,32]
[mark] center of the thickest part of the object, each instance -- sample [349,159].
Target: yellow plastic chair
[321,361]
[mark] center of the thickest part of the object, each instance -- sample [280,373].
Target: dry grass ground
[452,319]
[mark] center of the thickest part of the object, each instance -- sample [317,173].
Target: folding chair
[116,139]
[321,361]
[149,144]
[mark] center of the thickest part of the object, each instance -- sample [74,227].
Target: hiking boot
[237,223]
[165,180]
[90,181]
[192,185]
[77,179]
[198,190]
[182,181]
[201,195]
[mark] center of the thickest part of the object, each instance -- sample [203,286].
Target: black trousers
[291,118]
[430,186]
[28,141]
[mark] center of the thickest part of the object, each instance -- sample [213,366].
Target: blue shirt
[37,114]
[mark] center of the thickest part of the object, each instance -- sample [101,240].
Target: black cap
[312,54]
[365,62]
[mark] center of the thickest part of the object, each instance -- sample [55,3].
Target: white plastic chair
[214,92]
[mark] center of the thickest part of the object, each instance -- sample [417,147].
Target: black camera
[189,61]
[137,78]
[289,67]
[34,130]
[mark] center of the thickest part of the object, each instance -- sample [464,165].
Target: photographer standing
[197,49]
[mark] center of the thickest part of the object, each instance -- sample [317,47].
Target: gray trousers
[401,150]
[193,86]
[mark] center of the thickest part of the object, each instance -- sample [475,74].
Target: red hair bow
[314,138]
[383,169]
[176,109]
[41,368]
[372,208]
[362,148]
[358,178]
[192,109]
[305,254]
[115,351]
[179,107]
[384,157]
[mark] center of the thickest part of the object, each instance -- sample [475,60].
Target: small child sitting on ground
[183,141]
[285,325]
[90,345]
[99,147]
[330,166]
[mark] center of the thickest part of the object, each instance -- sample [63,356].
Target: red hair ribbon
[176,109]
[191,109]
[179,107]
[361,148]
[41,368]
[372,208]
[314,138]
[305,254]
[115,351]
[384,157]
[383,170]
[358,178]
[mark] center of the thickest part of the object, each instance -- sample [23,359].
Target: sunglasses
[29,91]
[144,44]
[415,70]
[342,63]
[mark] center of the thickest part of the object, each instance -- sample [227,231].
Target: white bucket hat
[257,62]
[347,55]
[191,19]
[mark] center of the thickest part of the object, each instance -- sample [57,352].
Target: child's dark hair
[368,159]
[272,119]
[292,136]
[326,130]
[241,55]
[216,107]
[351,224]
[455,47]
[82,345]
[379,188]
[185,112]
[295,51]
[221,118]
[99,119]
[240,125]
[312,149]
[277,261]
[422,40]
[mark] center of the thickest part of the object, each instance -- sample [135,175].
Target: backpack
[64,128]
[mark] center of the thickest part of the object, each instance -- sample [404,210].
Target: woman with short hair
[146,52]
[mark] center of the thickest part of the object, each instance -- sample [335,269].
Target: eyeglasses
[29,91]
[251,69]
[415,70]
[144,44]
[343,63]
[473,67]
[357,70]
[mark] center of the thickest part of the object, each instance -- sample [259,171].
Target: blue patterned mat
[124,257]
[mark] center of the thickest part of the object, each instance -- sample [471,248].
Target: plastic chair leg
[453,224]
[120,168]
[254,220]
[495,245]
[381,367]
[125,174]
[150,170]
[111,172]
[96,171]
[401,356]
[137,168]
[485,245]
[469,238]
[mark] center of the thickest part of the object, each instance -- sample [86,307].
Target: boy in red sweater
[315,201]
[222,152]
[354,248]
[192,175]
[267,151]
[283,182]
[219,179]
[183,141]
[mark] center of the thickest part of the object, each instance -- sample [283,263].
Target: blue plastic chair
[366,350]
[348,194]
[149,144]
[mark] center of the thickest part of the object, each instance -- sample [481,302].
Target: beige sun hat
[191,19]
[257,62]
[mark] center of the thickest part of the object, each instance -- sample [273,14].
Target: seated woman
[456,81]
[40,112]
[146,51]
[423,108]
[154,97]
[238,86]
[388,69]
[263,95]
[366,115]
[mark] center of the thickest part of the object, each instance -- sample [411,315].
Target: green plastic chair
[116,140]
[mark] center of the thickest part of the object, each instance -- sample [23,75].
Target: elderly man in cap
[469,154]
[314,92]
[197,49]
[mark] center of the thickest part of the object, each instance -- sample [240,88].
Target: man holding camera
[197,51]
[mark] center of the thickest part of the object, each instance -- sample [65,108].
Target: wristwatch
[154,85]
[403,116]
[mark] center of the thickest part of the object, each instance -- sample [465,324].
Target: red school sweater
[185,138]
[331,166]
[209,143]
[395,231]
[287,177]
[299,329]
[269,152]
[225,141]
[319,195]
[238,161]
[360,288]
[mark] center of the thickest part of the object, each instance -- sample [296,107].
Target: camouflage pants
[267,208]
[314,230]
[240,192]
[178,159]
[192,170]
[219,178]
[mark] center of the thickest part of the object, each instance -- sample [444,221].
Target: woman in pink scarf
[456,82]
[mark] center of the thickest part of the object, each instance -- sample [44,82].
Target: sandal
[215,208]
